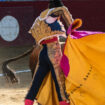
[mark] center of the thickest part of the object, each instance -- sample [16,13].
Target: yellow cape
[47,93]
[86,79]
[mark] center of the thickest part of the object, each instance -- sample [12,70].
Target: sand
[14,94]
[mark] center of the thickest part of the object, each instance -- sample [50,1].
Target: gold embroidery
[41,30]
[55,55]
[44,14]
[63,11]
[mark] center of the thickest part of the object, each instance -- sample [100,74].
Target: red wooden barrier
[92,13]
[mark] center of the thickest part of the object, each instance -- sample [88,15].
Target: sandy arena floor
[14,94]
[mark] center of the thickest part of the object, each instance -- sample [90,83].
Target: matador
[47,29]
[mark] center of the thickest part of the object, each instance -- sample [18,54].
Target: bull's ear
[77,23]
